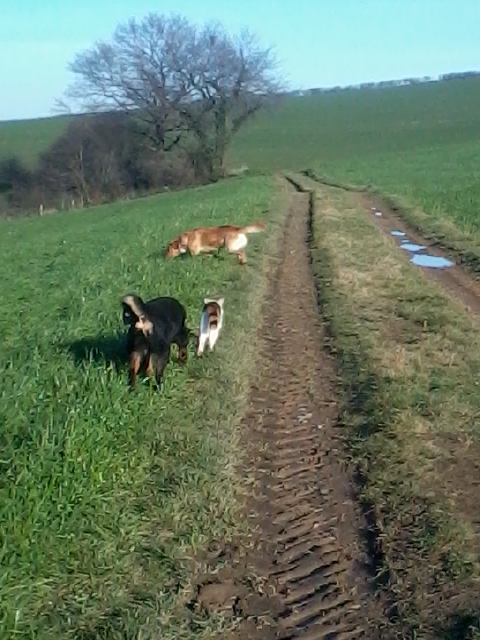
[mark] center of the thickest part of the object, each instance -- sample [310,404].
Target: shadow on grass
[220,254]
[461,626]
[104,349]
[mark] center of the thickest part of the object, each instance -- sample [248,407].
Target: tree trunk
[221,139]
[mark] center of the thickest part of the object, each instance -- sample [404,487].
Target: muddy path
[457,282]
[308,547]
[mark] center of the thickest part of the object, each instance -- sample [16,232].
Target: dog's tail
[253,228]
[134,304]
[134,313]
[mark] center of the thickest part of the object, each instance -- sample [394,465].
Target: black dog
[154,326]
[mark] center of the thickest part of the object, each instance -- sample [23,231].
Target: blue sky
[319,42]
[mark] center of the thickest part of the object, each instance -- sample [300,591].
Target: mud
[457,283]
[307,573]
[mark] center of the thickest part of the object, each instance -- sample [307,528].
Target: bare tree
[100,157]
[187,86]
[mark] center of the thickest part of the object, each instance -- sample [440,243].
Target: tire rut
[308,523]
[460,283]
[457,282]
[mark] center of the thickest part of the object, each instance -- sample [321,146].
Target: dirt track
[307,573]
[307,512]
[308,550]
[454,279]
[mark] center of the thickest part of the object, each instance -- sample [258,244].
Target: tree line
[160,104]
[384,84]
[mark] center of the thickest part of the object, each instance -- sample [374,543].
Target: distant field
[336,128]
[442,179]
[420,142]
[26,139]
[103,492]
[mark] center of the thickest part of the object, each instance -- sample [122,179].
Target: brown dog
[207,239]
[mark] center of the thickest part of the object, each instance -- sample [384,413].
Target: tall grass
[103,493]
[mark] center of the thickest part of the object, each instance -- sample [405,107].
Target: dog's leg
[212,338]
[134,367]
[149,370]
[159,363]
[237,244]
[202,339]
[182,342]
[242,256]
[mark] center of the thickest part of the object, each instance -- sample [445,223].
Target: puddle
[410,246]
[418,259]
[435,262]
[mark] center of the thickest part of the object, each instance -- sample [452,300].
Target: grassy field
[105,494]
[26,139]
[419,144]
[334,129]
[408,356]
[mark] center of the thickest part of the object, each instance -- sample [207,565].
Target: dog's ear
[207,300]
[220,301]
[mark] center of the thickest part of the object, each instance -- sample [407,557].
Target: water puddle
[433,262]
[418,259]
[411,246]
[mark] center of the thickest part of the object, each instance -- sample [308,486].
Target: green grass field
[332,130]
[418,145]
[420,142]
[105,493]
[26,139]
[106,496]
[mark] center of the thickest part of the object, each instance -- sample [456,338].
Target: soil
[456,282]
[305,572]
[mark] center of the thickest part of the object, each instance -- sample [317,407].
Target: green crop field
[419,144]
[334,129]
[103,491]
[26,139]
[107,495]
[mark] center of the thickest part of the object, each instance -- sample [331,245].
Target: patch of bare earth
[305,572]
[458,283]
